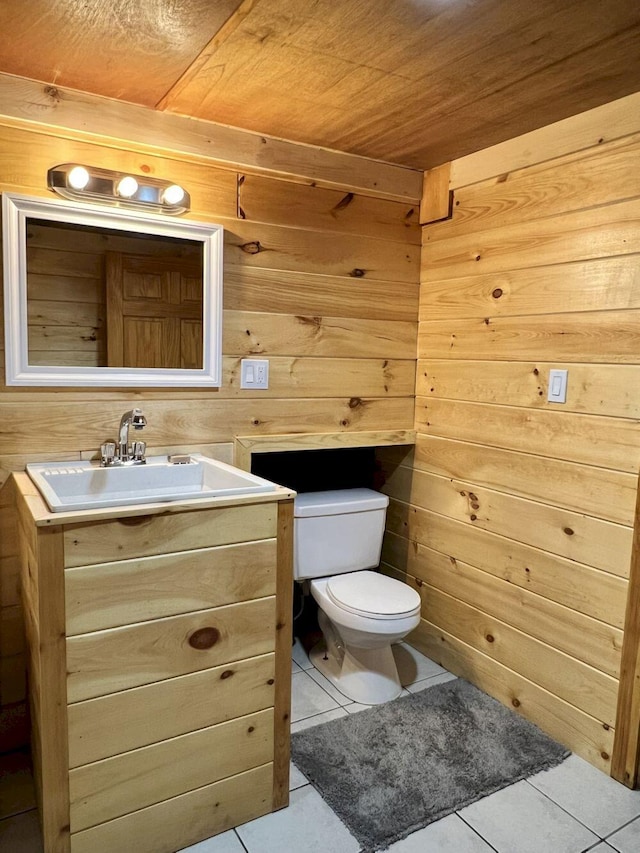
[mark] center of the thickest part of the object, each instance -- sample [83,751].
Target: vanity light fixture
[89,183]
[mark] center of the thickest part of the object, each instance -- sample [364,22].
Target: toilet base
[367,676]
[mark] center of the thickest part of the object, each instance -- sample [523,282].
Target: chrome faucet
[122,453]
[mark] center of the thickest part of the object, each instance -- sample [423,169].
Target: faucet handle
[138,450]
[138,420]
[107,453]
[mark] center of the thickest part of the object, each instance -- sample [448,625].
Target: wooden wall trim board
[595,336]
[567,287]
[252,333]
[322,252]
[284,633]
[573,437]
[295,292]
[598,492]
[603,175]
[625,765]
[95,725]
[135,780]
[80,115]
[598,232]
[233,801]
[437,198]
[573,681]
[245,445]
[582,588]
[575,536]
[262,199]
[588,640]
[594,127]
[43,599]
[582,637]
[595,389]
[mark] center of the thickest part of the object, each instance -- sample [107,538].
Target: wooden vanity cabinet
[159,671]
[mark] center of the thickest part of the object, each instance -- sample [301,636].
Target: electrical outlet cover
[254,373]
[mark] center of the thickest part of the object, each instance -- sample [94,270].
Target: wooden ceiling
[414,82]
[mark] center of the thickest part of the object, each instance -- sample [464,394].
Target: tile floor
[569,809]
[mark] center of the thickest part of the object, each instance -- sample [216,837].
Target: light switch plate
[557,391]
[254,373]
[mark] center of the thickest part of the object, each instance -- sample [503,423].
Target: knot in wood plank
[252,248]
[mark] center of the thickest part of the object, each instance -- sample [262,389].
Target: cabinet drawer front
[146,535]
[117,786]
[184,820]
[120,722]
[119,658]
[129,591]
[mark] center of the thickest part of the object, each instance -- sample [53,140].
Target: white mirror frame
[16,209]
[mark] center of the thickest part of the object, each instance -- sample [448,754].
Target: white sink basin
[69,486]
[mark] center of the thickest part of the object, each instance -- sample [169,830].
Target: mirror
[101,296]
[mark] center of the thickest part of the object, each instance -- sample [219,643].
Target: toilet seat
[373,595]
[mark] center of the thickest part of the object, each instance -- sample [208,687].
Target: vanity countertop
[43,517]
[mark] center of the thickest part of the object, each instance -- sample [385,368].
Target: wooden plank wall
[323,282]
[514,516]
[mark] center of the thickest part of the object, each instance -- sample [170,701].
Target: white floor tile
[597,800]
[296,778]
[326,685]
[413,665]
[300,656]
[449,835]
[520,818]
[603,847]
[417,686]
[335,714]
[308,825]
[226,842]
[627,839]
[295,667]
[308,698]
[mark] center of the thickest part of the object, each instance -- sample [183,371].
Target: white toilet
[337,535]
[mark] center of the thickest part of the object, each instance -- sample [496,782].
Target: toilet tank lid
[337,501]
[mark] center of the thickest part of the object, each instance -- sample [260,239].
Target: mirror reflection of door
[154,311]
[80,277]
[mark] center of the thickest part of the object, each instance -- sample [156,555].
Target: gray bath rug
[395,768]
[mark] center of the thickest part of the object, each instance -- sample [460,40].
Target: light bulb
[78,178]
[172,194]
[127,187]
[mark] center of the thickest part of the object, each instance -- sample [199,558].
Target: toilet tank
[337,531]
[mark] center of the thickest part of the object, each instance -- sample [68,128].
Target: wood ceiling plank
[580,82]
[128,49]
[230,25]
[468,72]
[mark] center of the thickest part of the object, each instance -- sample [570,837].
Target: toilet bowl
[337,540]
